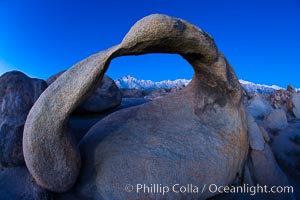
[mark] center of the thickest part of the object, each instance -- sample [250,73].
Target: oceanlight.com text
[212,188]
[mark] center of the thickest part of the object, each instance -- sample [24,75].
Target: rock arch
[198,135]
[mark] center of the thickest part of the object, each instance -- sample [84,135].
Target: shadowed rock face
[195,136]
[18,92]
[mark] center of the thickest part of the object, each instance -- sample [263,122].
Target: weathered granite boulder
[258,107]
[105,96]
[276,120]
[53,78]
[256,138]
[18,92]
[261,167]
[195,136]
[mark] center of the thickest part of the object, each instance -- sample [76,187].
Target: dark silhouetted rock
[195,136]
[133,93]
[18,92]
[286,148]
[16,183]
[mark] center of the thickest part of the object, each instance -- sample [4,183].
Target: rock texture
[143,144]
[53,78]
[105,96]
[256,138]
[261,167]
[18,92]
[258,107]
[276,120]
[80,124]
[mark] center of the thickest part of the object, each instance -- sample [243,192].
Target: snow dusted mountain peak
[131,82]
[259,88]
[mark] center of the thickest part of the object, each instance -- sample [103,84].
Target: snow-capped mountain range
[131,82]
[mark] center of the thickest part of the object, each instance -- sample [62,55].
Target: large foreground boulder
[18,92]
[195,136]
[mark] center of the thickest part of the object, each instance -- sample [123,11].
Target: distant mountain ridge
[131,82]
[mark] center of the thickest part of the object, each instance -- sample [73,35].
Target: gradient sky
[260,38]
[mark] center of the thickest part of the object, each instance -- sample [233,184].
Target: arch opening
[155,67]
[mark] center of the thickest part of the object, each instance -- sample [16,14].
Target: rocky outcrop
[18,92]
[105,96]
[261,167]
[143,144]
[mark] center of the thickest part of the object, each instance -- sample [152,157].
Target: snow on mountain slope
[131,82]
[259,88]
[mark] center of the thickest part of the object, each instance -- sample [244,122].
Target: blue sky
[260,38]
